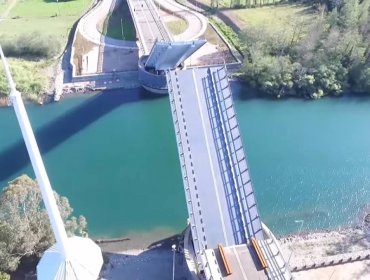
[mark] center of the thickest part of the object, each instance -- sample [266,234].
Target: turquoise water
[309,160]
[114,156]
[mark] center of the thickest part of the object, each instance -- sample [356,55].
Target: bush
[28,77]
[229,34]
[31,45]
[4,276]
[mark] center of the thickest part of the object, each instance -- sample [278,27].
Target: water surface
[114,156]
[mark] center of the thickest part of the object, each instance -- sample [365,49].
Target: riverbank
[339,254]
[155,257]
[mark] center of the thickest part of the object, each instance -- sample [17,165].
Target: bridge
[229,240]
[220,198]
[148,24]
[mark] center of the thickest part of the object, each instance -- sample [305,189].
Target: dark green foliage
[239,4]
[24,224]
[31,45]
[332,57]
[230,35]
[360,78]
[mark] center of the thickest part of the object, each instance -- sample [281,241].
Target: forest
[329,57]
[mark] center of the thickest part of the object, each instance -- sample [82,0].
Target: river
[114,156]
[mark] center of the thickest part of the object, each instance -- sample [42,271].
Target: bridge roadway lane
[148,23]
[219,216]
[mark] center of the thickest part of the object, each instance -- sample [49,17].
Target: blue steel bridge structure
[228,238]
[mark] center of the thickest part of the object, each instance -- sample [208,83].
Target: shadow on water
[60,129]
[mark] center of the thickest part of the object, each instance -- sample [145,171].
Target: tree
[361,78]
[350,13]
[24,224]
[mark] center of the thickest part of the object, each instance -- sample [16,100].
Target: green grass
[115,31]
[177,26]
[3,5]
[41,8]
[37,15]
[245,3]
[112,25]
[274,18]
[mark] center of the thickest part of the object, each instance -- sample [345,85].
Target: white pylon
[69,258]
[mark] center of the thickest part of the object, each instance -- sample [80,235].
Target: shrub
[229,34]
[28,77]
[31,45]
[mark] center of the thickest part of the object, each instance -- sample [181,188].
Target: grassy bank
[53,20]
[226,4]
[282,18]
[48,17]
[177,26]
[119,24]
[29,77]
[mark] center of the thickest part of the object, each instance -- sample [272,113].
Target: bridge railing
[233,154]
[238,155]
[226,156]
[137,27]
[224,163]
[157,19]
[210,265]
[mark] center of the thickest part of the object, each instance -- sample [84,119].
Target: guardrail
[223,159]
[237,175]
[137,27]
[285,268]
[157,19]
[210,265]
[238,156]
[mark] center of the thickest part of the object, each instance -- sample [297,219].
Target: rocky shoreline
[298,249]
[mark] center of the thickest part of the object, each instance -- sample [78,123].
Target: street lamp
[299,232]
[123,37]
[58,8]
[173,261]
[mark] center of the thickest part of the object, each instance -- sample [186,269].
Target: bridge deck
[214,167]
[148,24]
[220,199]
[241,261]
